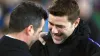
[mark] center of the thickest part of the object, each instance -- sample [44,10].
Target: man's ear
[76,22]
[29,30]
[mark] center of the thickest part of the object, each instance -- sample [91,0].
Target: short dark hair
[25,14]
[68,8]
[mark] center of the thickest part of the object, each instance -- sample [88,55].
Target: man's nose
[54,29]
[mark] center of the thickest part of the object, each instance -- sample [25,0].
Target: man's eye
[59,26]
[51,23]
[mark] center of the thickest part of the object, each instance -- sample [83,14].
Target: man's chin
[57,42]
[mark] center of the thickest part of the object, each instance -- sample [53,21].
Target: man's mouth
[57,37]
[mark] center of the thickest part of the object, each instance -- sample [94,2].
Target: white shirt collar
[10,36]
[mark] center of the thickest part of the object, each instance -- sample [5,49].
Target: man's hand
[41,39]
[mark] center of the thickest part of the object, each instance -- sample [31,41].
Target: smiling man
[68,34]
[61,28]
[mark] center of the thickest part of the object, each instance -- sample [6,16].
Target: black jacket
[13,47]
[78,44]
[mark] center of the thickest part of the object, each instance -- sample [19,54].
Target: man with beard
[68,34]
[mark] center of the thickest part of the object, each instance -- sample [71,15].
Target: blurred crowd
[90,11]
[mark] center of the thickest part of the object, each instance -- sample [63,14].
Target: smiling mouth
[57,37]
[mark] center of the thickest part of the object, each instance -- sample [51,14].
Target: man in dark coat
[68,34]
[26,22]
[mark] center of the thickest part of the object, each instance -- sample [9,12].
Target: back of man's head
[25,14]
[68,8]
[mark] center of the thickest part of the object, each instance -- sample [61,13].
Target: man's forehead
[58,18]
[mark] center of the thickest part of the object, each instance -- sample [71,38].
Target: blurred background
[90,12]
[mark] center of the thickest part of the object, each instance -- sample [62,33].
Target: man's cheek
[63,30]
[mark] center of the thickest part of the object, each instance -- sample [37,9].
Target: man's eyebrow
[59,25]
[50,22]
